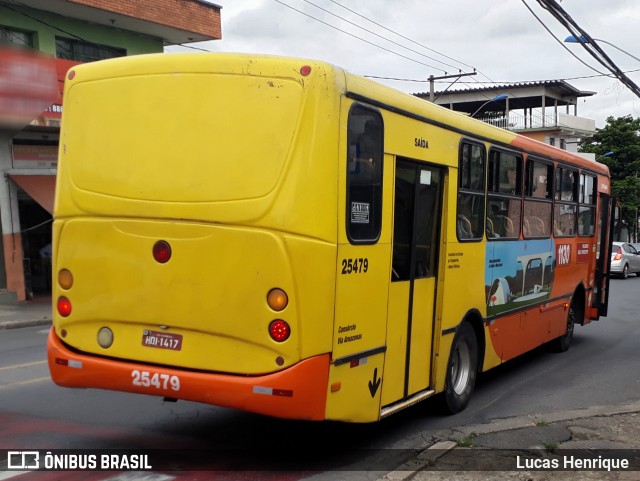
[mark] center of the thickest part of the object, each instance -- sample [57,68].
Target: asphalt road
[601,368]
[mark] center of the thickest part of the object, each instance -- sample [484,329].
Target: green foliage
[466,441]
[622,137]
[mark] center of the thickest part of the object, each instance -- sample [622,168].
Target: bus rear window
[364,175]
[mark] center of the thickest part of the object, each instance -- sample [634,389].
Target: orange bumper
[299,392]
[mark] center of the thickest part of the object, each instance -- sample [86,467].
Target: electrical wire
[355,36]
[560,41]
[590,44]
[379,36]
[405,38]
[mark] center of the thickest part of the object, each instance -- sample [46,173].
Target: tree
[620,136]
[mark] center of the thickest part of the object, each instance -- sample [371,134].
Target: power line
[404,37]
[559,41]
[355,36]
[387,29]
[590,44]
[378,35]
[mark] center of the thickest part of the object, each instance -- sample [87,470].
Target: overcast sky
[501,39]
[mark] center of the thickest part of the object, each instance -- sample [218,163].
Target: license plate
[162,340]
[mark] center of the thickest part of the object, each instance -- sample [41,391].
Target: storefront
[30,110]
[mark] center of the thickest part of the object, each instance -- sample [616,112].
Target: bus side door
[416,232]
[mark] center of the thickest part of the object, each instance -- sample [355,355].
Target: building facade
[39,41]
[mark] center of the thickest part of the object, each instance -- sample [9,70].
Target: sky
[500,39]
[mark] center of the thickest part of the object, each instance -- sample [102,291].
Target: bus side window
[504,195]
[470,208]
[587,207]
[365,139]
[538,209]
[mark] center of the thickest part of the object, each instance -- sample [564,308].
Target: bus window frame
[463,221]
[559,203]
[376,215]
[496,193]
[531,224]
[590,204]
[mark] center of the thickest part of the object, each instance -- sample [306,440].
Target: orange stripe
[307,380]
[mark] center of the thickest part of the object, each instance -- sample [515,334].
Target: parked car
[625,259]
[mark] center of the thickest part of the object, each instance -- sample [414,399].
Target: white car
[625,259]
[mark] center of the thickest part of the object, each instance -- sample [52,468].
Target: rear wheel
[625,271]
[462,369]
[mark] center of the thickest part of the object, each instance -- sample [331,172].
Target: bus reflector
[105,337]
[64,306]
[277,299]
[65,279]
[162,251]
[279,330]
[69,362]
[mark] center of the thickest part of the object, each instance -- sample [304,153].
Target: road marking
[27,364]
[22,383]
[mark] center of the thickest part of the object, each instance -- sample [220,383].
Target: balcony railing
[518,121]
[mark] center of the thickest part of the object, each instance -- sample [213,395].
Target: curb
[517,422]
[430,455]
[5,325]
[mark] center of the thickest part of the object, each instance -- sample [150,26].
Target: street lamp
[581,39]
[606,154]
[497,98]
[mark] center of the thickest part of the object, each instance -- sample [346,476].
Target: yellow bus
[280,236]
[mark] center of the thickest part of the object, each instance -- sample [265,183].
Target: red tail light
[618,256]
[279,330]
[162,251]
[64,306]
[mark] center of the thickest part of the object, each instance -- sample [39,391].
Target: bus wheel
[562,343]
[462,369]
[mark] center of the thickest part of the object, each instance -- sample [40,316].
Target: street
[602,367]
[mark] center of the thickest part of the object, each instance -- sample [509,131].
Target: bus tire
[562,343]
[462,369]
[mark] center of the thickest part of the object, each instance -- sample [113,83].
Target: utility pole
[432,80]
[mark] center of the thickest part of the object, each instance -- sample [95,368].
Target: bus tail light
[277,299]
[305,70]
[65,279]
[279,330]
[64,306]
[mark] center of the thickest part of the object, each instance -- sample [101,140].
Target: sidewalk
[509,449]
[36,312]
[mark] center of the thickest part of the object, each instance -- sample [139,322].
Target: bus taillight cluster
[279,329]
[65,281]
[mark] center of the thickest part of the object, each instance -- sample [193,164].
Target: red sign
[28,85]
[583,254]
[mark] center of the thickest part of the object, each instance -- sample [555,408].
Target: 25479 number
[159,381]
[355,266]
